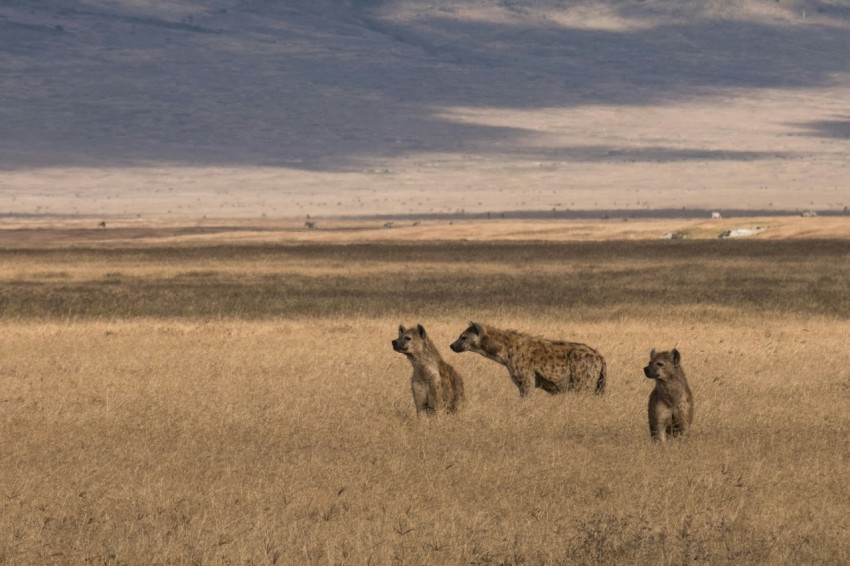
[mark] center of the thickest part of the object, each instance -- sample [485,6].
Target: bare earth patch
[85,233]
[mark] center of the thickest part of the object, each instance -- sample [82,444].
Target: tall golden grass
[243,405]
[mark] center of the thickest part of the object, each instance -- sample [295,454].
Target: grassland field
[203,380]
[240,403]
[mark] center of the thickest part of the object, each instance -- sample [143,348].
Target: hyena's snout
[650,372]
[457,346]
[397,346]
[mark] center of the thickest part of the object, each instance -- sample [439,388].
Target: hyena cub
[671,403]
[436,386]
[551,365]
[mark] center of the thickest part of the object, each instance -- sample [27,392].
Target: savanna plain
[225,391]
[241,403]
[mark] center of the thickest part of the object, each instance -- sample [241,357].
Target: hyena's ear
[401,329]
[652,354]
[677,357]
[476,328]
[421,330]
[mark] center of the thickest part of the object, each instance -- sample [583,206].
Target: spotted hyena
[436,386]
[554,366]
[671,403]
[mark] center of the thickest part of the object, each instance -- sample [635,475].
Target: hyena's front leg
[679,424]
[434,401]
[420,397]
[660,419]
[524,380]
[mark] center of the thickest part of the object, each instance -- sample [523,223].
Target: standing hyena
[436,385]
[671,403]
[553,366]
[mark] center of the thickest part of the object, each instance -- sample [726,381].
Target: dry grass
[216,433]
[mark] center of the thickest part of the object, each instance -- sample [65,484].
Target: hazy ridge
[326,98]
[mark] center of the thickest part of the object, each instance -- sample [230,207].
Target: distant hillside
[343,86]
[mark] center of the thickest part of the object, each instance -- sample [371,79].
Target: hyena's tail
[603,377]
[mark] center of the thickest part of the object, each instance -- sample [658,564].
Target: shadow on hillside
[839,129]
[328,87]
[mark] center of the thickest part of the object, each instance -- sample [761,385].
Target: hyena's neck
[674,384]
[495,344]
[429,356]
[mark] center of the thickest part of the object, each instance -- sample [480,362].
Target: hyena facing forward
[553,366]
[671,403]
[436,385]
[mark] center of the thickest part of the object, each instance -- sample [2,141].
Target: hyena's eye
[660,364]
[407,338]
